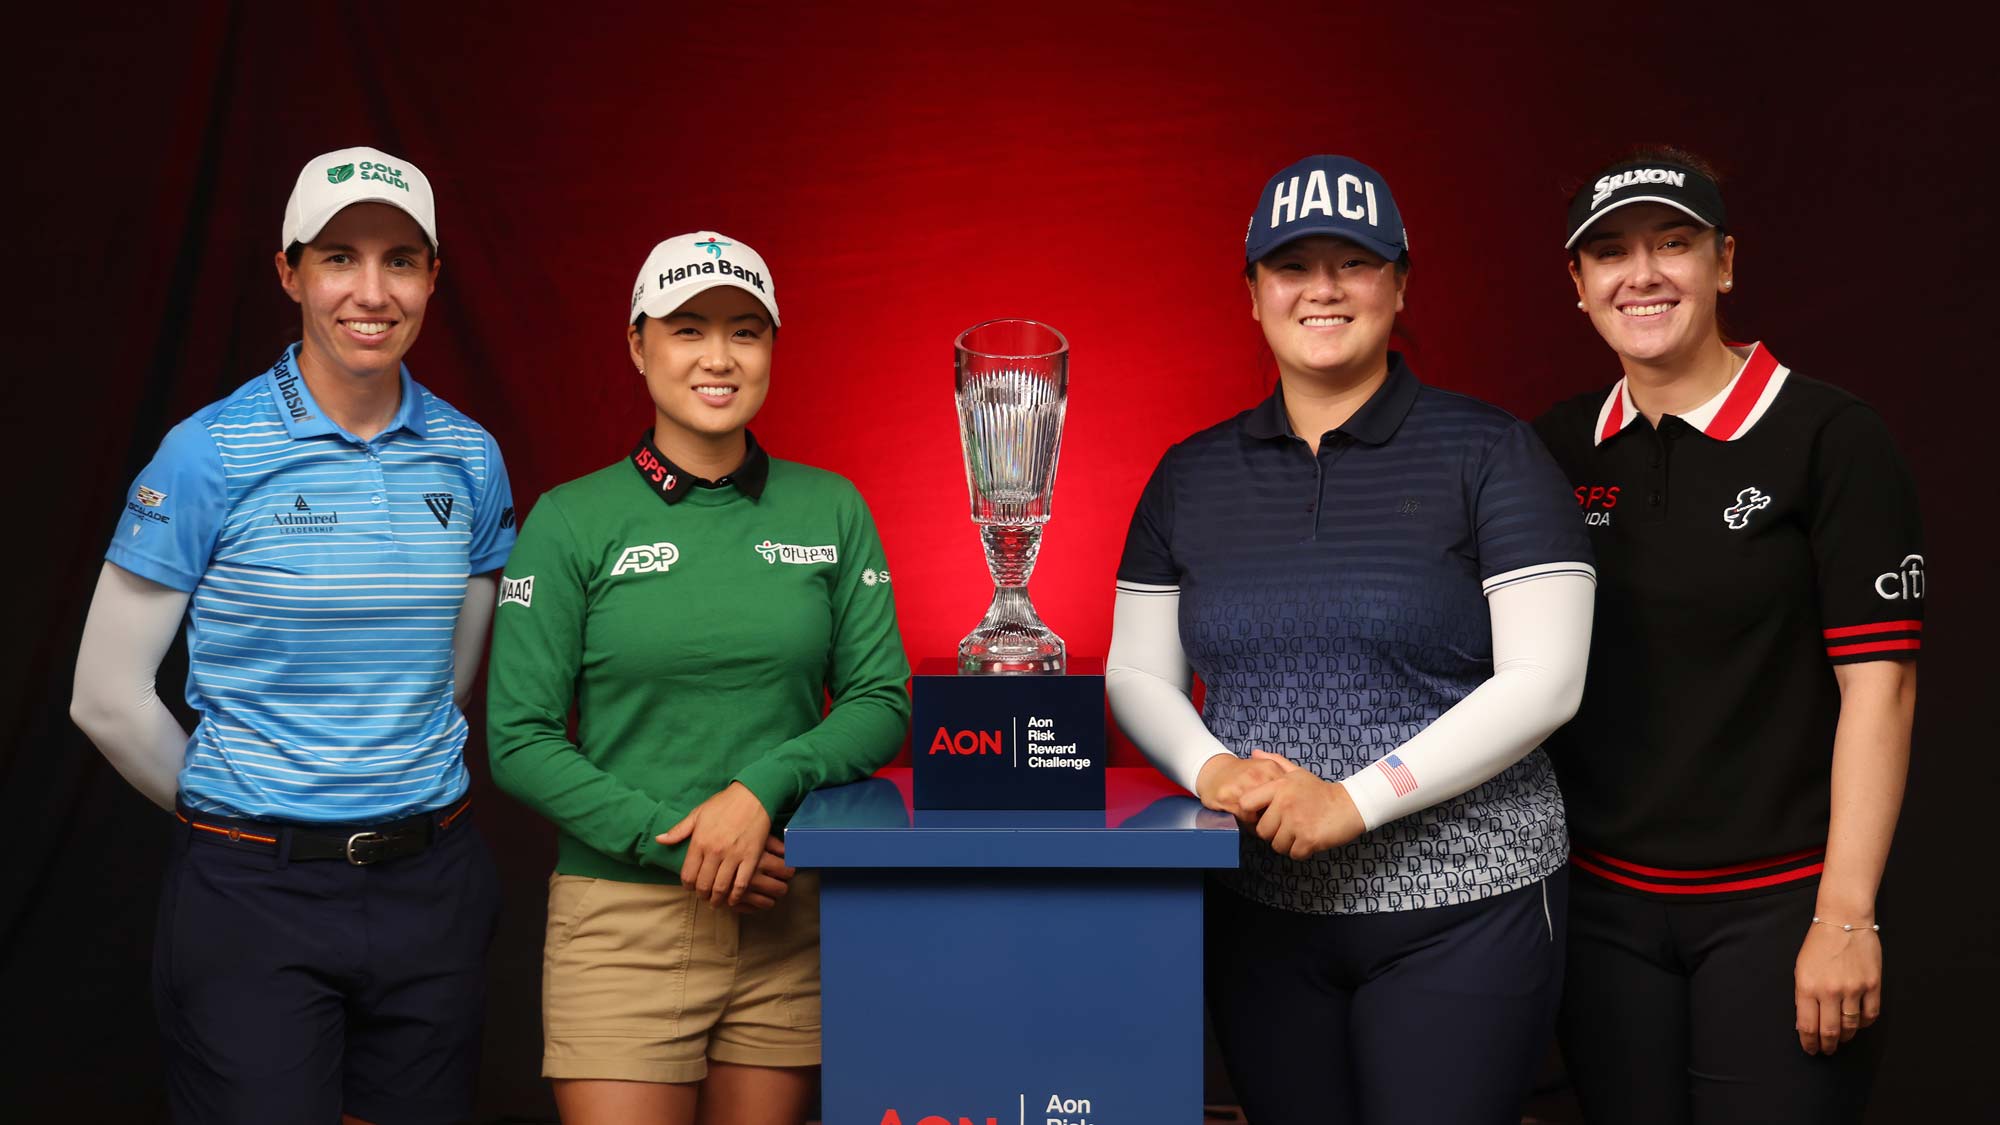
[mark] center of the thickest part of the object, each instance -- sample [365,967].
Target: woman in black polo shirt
[1388,601]
[1736,769]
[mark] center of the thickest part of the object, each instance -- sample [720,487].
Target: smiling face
[707,365]
[361,286]
[1327,307]
[1649,276]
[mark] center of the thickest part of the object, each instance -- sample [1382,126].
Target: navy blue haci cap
[1330,195]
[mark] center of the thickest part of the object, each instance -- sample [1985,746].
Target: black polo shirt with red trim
[1743,549]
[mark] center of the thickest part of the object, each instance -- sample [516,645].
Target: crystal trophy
[1012,384]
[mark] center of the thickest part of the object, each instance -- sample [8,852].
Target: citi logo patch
[793,553]
[1905,583]
[646,558]
[150,497]
[440,505]
[518,591]
[1737,515]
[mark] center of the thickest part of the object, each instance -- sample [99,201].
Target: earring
[1726,285]
[1579,306]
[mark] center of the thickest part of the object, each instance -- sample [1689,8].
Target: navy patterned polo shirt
[1334,605]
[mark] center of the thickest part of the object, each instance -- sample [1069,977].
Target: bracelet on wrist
[1848,927]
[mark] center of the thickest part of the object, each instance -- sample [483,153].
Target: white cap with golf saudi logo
[337,180]
[686,264]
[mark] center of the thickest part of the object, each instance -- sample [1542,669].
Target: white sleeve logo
[520,591]
[646,558]
[1905,583]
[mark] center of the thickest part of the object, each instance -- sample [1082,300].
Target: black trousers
[1681,1012]
[1424,1017]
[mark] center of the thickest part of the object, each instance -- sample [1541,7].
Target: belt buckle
[364,839]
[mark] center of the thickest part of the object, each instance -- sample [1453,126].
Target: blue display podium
[1011,968]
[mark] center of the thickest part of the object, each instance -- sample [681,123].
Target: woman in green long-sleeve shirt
[696,603]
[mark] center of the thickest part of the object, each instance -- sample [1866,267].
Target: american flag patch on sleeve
[1400,778]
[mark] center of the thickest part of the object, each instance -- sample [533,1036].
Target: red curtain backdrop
[908,170]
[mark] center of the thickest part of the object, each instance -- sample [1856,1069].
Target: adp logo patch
[340,173]
[646,558]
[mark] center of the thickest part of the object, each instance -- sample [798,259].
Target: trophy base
[1012,650]
[974,662]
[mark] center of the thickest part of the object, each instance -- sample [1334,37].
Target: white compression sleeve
[1541,649]
[115,699]
[468,637]
[1147,678]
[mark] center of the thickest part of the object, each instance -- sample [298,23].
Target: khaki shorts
[647,983]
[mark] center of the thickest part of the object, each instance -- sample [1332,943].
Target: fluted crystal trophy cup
[1012,384]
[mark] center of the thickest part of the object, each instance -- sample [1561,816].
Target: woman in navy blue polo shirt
[1737,766]
[1387,596]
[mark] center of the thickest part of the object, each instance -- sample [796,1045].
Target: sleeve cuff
[152,570]
[766,781]
[652,853]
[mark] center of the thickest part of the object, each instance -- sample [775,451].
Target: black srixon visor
[1645,181]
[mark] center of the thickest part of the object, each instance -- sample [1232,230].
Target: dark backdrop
[908,170]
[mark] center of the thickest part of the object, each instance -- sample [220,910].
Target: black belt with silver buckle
[359,845]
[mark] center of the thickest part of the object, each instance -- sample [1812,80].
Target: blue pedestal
[986,964]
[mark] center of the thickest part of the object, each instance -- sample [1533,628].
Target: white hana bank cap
[686,264]
[338,180]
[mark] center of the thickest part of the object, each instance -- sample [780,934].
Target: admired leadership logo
[303,520]
[1737,515]
[340,173]
[793,553]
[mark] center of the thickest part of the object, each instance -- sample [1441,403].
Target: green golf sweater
[698,643]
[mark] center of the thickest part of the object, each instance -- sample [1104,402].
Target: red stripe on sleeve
[1879,627]
[1910,645]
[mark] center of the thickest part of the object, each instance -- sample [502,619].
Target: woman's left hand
[1837,986]
[725,835]
[1301,815]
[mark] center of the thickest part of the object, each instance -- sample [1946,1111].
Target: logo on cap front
[1605,185]
[1348,194]
[713,247]
[340,174]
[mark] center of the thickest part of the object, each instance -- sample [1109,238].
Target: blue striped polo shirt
[1334,606]
[325,574]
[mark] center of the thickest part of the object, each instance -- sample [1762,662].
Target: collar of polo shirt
[1726,416]
[303,418]
[1376,422]
[673,483]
